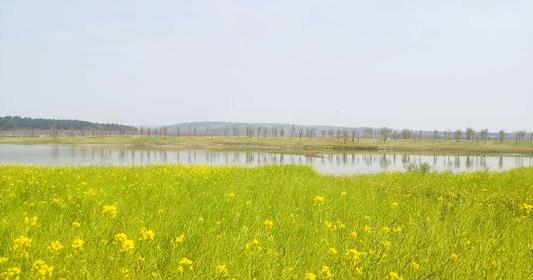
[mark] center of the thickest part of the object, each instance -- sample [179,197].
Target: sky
[420,64]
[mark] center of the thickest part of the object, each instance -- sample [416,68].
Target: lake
[335,163]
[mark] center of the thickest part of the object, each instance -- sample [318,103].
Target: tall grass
[274,222]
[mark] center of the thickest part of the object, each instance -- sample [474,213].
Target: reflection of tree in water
[457,162]
[406,159]
[236,157]
[165,156]
[483,162]
[122,155]
[368,159]
[249,158]
[340,162]
[468,162]
[384,162]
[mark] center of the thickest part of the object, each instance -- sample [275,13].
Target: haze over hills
[220,128]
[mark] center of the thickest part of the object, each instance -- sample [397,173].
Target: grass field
[274,222]
[290,144]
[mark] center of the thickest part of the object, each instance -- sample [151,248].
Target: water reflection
[345,163]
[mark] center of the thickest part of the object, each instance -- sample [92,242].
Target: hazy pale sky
[419,64]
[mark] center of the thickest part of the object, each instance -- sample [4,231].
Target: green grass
[290,144]
[418,225]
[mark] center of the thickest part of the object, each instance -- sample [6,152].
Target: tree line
[30,127]
[15,122]
[342,134]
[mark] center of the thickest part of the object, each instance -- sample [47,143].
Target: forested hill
[15,122]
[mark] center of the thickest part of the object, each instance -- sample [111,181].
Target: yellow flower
[78,244]
[353,234]
[55,246]
[76,224]
[128,245]
[415,266]
[185,264]
[22,242]
[12,273]
[178,239]
[386,243]
[125,272]
[268,224]
[221,269]
[42,269]
[359,270]
[253,244]
[3,259]
[325,271]
[394,205]
[121,237]
[147,234]
[110,210]
[354,255]
[310,276]
[334,225]
[367,228]
[395,276]
[385,229]
[332,251]
[231,195]
[31,221]
[454,257]
[318,200]
[344,194]
[526,207]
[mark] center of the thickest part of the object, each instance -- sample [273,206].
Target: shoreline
[288,145]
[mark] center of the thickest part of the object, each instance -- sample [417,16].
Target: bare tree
[300,133]
[470,133]
[457,135]
[406,134]
[369,133]
[484,134]
[501,136]
[384,133]
[520,136]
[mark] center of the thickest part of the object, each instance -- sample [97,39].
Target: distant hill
[15,122]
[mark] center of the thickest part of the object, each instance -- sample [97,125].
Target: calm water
[347,163]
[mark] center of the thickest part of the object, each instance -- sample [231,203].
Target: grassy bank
[184,222]
[290,144]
